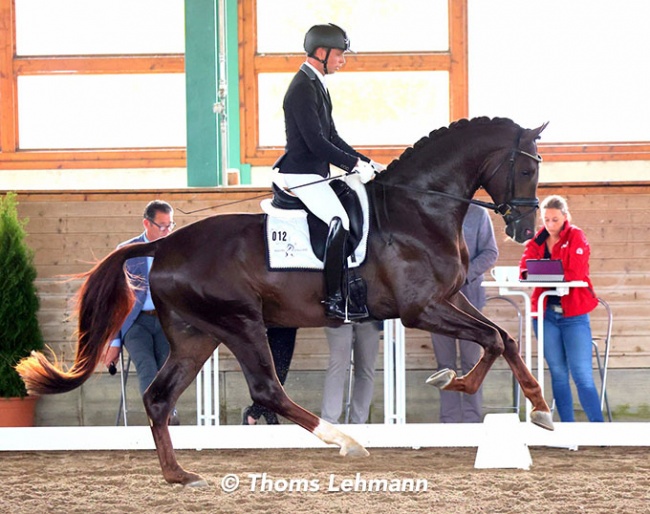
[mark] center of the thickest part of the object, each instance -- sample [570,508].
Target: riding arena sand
[592,480]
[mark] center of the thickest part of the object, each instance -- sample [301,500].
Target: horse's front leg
[541,413]
[449,319]
[470,383]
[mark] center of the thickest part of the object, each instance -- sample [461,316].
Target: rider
[312,145]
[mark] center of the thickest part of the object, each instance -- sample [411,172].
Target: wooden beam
[99,65]
[412,61]
[81,159]
[8,85]
[583,152]
[248,90]
[458,74]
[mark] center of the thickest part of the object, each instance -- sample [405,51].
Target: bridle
[510,209]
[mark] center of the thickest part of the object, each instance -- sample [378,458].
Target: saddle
[318,228]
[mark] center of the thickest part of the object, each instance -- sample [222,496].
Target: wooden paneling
[69,230]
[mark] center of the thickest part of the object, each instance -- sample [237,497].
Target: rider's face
[336,60]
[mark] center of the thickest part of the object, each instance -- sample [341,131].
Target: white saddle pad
[287,236]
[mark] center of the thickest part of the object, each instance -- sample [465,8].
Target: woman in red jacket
[567,330]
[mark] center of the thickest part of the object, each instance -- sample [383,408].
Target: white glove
[377,166]
[365,170]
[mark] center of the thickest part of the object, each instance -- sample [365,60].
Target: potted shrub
[19,329]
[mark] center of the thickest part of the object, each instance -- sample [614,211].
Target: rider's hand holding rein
[365,170]
[377,166]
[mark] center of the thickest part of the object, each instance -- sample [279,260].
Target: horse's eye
[525,173]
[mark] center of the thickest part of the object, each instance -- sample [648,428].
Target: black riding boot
[335,266]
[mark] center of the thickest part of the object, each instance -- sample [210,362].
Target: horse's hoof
[442,378]
[199,482]
[355,450]
[542,419]
[187,479]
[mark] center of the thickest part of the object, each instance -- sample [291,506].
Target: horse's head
[511,181]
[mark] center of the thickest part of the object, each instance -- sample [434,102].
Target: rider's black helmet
[326,36]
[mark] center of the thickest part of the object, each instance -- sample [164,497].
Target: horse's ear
[536,132]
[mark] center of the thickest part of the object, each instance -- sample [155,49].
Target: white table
[524,290]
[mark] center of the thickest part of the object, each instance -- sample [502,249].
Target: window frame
[12,66]
[454,61]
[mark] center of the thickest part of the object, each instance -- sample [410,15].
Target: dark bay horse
[210,283]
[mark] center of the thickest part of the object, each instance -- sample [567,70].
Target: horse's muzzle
[520,231]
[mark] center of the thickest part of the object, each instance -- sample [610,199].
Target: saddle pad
[287,236]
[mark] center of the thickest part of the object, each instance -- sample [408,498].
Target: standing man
[313,144]
[456,407]
[363,340]
[282,341]
[141,333]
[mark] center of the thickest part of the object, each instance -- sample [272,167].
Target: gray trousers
[458,407]
[148,348]
[364,339]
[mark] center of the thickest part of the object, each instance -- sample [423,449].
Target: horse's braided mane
[443,131]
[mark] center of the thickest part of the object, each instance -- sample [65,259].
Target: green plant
[19,329]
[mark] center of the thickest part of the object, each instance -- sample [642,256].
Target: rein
[504,209]
[264,195]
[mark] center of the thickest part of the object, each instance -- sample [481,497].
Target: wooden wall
[70,230]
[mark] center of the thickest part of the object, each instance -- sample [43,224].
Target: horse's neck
[421,213]
[450,184]
[428,203]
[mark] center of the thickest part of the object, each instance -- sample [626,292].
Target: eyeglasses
[164,228]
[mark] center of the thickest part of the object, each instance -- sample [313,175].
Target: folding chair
[516,402]
[348,399]
[602,365]
[123,410]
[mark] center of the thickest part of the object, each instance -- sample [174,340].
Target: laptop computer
[544,270]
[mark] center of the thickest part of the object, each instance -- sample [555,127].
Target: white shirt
[320,76]
[148,302]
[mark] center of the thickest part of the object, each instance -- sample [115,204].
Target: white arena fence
[394,433]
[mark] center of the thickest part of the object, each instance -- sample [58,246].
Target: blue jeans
[568,348]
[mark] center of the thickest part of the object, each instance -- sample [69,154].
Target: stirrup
[335,308]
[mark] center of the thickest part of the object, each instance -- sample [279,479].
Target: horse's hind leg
[254,356]
[187,356]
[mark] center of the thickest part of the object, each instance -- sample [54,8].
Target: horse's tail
[104,301]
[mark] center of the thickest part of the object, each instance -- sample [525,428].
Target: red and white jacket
[573,250]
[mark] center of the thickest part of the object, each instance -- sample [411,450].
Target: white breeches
[319,197]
